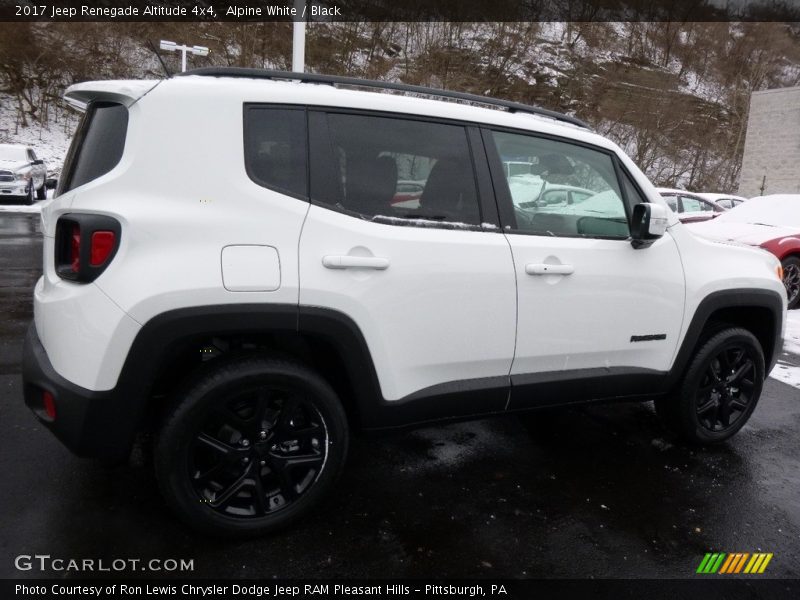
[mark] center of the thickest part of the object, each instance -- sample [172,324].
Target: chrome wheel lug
[245,460]
[262,435]
[263,463]
[245,443]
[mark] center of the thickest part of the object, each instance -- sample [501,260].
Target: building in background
[771,162]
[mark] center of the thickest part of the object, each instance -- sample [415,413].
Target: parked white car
[690,207]
[224,266]
[21,173]
[726,201]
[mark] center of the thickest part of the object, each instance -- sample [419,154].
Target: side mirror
[38,161]
[648,223]
[51,183]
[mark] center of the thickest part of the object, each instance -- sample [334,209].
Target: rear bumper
[89,423]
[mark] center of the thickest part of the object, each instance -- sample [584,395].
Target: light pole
[299,38]
[172,47]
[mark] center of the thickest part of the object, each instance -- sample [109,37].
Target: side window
[275,148]
[672,202]
[556,197]
[632,192]
[31,155]
[579,196]
[725,203]
[692,205]
[97,146]
[570,190]
[394,169]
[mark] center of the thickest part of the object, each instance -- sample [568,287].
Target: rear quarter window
[275,148]
[97,146]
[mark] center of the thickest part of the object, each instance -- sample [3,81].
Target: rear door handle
[355,262]
[543,269]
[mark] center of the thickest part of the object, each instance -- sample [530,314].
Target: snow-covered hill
[50,140]
[674,95]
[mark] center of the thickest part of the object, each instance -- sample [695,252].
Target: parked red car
[771,222]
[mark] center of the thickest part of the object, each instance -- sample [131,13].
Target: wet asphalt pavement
[593,492]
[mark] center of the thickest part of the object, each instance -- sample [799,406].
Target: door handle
[355,262]
[544,269]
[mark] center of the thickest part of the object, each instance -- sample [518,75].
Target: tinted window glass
[387,168]
[635,196]
[275,149]
[545,198]
[97,146]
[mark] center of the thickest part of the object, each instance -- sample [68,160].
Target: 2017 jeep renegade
[230,261]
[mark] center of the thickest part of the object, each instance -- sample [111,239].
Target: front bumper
[89,423]
[14,188]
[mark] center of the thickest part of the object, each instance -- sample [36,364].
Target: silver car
[21,173]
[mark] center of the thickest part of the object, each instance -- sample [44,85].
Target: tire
[29,199]
[250,447]
[791,280]
[720,390]
[41,193]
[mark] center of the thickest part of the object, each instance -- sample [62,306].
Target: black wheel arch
[169,347]
[759,311]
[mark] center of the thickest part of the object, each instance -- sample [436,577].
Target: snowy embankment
[49,140]
[788,368]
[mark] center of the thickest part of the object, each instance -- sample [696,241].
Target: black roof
[386,85]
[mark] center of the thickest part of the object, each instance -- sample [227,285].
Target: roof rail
[386,85]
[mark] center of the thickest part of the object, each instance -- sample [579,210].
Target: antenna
[158,56]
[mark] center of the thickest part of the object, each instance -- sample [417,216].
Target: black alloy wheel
[791,280]
[726,389]
[720,389]
[258,452]
[250,446]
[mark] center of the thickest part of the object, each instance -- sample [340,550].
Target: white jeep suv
[224,265]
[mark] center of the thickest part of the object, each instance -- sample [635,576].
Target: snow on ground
[35,208]
[792,342]
[21,208]
[50,141]
[788,368]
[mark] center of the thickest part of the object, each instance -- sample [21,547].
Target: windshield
[12,153]
[778,211]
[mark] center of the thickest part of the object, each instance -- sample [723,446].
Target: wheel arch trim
[715,303]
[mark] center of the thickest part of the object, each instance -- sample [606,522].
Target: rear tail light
[103,244]
[49,404]
[75,248]
[85,245]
